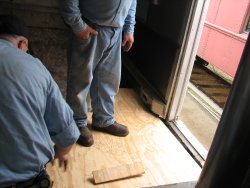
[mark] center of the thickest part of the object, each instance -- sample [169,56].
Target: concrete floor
[197,118]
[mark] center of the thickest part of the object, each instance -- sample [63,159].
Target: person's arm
[129,23]
[72,16]
[128,28]
[58,117]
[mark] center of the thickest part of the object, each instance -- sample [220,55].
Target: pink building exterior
[223,37]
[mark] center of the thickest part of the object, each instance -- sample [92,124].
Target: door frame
[186,60]
[181,81]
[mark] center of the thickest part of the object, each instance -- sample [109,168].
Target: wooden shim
[118,172]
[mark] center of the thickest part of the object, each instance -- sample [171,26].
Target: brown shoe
[115,129]
[86,137]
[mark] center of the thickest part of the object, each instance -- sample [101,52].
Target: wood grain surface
[118,172]
[149,142]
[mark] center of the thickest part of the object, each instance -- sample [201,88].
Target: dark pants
[41,181]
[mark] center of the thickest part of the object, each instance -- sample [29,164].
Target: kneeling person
[33,113]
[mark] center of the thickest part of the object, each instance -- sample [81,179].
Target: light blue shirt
[114,13]
[32,112]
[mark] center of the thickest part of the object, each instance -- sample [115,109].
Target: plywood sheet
[149,142]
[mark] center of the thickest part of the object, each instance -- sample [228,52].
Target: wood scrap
[118,172]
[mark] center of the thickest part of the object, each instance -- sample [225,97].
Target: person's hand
[127,42]
[63,161]
[85,34]
[61,154]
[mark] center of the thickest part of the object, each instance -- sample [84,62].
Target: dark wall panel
[159,34]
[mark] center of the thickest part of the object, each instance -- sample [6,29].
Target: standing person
[33,113]
[99,29]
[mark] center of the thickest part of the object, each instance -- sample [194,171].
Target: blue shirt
[114,13]
[32,112]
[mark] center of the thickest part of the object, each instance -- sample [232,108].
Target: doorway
[217,59]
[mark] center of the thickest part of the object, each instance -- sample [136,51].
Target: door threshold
[189,142]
